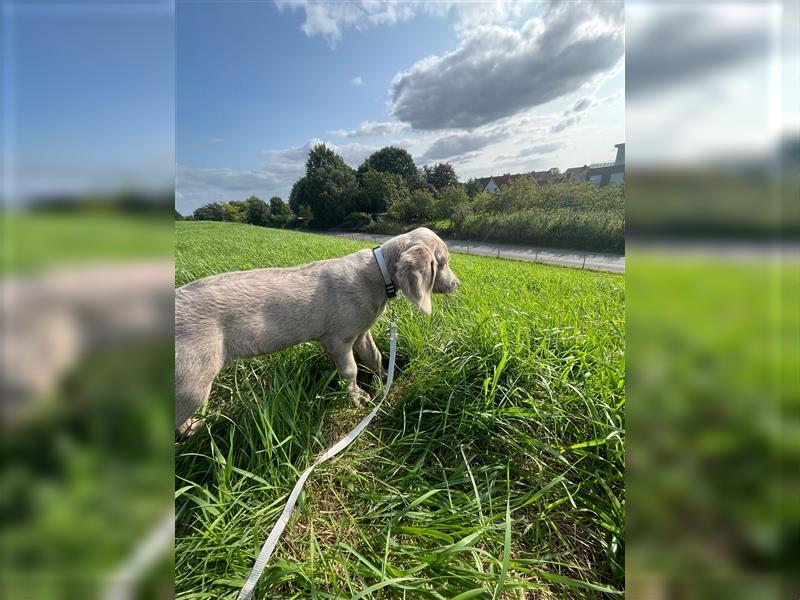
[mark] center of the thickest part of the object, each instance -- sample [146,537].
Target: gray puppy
[248,313]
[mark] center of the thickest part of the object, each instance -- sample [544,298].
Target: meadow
[89,473]
[494,471]
[36,242]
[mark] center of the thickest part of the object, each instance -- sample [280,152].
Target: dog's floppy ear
[415,274]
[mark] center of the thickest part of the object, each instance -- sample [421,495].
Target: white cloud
[534,150]
[330,19]
[584,104]
[577,111]
[685,44]
[562,124]
[496,72]
[357,81]
[458,145]
[371,129]
[282,167]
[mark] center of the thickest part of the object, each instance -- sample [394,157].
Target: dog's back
[242,314]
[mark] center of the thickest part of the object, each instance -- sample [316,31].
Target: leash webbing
[272,540]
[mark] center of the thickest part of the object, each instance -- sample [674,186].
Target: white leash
[274,535]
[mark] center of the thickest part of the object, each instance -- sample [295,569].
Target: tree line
[253,210]
[333,194]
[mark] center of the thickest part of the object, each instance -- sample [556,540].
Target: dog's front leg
[341,352]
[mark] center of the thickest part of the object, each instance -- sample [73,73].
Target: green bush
[461,213]
[356,220]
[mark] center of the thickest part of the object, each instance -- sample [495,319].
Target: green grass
[715,425]
[43,241]
[88,474]
[495,471]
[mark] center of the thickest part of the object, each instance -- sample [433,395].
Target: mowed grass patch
[495,471]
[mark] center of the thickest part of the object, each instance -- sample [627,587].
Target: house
[609,173]
[600,174]
[482,181]
[495,182]
[553,175]
[620,160]
[577,173]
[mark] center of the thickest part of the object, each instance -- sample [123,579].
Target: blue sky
[248,79]
[490,87]
[86,104]
[94,98]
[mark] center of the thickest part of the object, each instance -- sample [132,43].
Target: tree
[329,188]
[280,213]
[278,207]
[297,195]
[379,190]
[440,175]
[393,160]
[235,211]
[519,194]
[210,212]
[449,199]
[331,194]
[304,212]
[178,216]
[257,211]
[321,156]
[413,209]
[473,187]
[461,213]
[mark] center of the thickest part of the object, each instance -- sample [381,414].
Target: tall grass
[558,228]
[496,470]
[563,215]
[576,215]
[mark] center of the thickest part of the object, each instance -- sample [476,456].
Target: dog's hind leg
[195,369]
[368,352]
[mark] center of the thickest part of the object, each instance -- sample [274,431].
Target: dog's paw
[189,428]
[359,397]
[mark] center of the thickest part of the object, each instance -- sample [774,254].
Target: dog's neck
[391,289]
[392,249]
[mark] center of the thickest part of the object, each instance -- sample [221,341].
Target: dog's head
[423,268]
